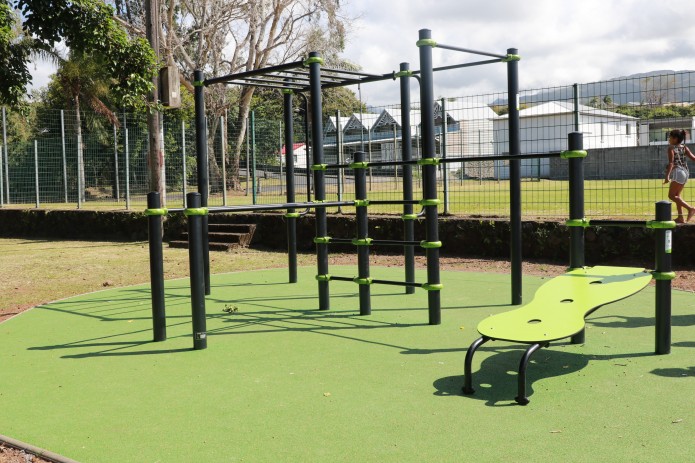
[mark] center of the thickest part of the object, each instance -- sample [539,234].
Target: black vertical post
[664,274]
[575,92]
[362,236]
[429,170]
[154,220]
[407,154]
[289,180]
[575,142]
[314,61]
[201,143]
[514,174]
[196,267]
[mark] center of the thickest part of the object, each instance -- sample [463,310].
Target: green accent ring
[319,167]
[195,211]
[426,42]
[293,215]
[577,223]
[663,276]
[661,224]
[511,57]
[409,217]
[198,83]
[362,281]
[428,162]
[430,202]
[361,202]
[573,154]
[322,239]
[160,211]
[326,277]
[430,244]
[403,74]
[313,60]
[362,241]
[287,91]
[359,165]
[432,286]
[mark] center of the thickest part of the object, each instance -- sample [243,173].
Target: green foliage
[656,112]
[86,27]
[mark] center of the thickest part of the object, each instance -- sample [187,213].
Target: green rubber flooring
[281,381]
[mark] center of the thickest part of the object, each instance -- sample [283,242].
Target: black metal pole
[664,274]
[429,171]
[154,220]
[195,256]
[407,154]
[201,143]
[514,176]
[575,142]
[289,180]
[362,235]
[315,62]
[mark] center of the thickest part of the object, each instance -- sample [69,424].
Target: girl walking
[677,172]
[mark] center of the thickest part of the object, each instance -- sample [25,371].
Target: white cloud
[561,42]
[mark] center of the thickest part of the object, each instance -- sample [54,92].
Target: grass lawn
[282,381]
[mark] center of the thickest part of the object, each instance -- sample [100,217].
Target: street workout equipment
[560,306]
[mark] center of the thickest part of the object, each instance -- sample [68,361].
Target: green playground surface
[282,381]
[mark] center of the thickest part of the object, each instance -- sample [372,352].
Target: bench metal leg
[468,374]
[521,398]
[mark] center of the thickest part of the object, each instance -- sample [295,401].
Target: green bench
[557,311]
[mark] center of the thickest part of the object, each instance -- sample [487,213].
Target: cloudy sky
[560,41]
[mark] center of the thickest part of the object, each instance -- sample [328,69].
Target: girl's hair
[678,134]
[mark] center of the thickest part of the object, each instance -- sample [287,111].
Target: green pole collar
[312,60]
[426,42]
[430,244]
[319,167]
[577,223]
[362,281]
[359,165]
[430,202]
[661,276]
[293,215]
[362,241]
[511,57]
[361,202]
[573,154]
[428,162]
[287,91]
[432,286]
[409,217]
[402,74]
[322,239]
[198,83]
[661,224]
[160,211]
[195,211]
[326,277]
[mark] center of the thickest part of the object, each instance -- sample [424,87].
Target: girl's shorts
[679,175]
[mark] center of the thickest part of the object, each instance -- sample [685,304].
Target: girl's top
[679,159]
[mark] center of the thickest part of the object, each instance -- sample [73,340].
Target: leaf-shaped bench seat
[557,311]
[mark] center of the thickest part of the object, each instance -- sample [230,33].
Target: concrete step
[221,236]
[183,244]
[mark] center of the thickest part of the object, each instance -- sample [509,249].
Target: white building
[544,129]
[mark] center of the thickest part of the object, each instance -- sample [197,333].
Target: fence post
[183,159]
[253,157]
[36,171]
[445,168]
[65,162]
[7,158]
[127,169]
[223,151]
[340,173]
[2,185]
[155,214]
[575,90]
[663,273]
[115,162]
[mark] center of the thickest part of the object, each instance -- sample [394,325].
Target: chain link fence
[64,159]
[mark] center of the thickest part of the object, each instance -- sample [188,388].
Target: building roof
[554,108]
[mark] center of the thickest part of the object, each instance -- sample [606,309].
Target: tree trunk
[80,152]
[155,157]
[242,121]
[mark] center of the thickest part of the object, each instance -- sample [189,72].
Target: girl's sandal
[679,219]
[691,213]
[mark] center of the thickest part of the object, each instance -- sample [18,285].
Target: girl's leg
[674,194]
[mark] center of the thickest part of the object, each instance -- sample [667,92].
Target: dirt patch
[13,455]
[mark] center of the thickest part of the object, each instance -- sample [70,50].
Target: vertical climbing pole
[291,214]
[154,213]
[408,216]
[201,144]
[314,62]
[514,172]
[663,274]
[195,214]
[362,240]
[429,171]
